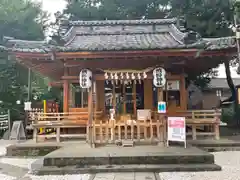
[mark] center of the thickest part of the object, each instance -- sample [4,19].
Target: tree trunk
[232,89]
[229,78]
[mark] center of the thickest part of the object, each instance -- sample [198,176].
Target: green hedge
[228,113]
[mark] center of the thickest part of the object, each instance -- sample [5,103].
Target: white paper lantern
[159,77]
[85,78]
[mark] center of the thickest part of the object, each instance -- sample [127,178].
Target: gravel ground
[229,160]
[65,177]
[22,163]
[6,177]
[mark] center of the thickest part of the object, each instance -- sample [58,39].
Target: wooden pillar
[65,92]
[90,118]
[73,96]
[148,94]
[183,93]
[29,84]
[100,95]
[161,117]
[114,96]
[70,100]
[238,94]
[160,94]
[124,98]
[94,99]
[134,99]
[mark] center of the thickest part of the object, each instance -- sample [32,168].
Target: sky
[52,6]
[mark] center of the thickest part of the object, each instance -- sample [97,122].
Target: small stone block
[127,143]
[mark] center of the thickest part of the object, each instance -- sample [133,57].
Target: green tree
[209,18]
[116,9]
[21,19]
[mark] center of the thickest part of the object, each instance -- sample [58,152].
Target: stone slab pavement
[127,176]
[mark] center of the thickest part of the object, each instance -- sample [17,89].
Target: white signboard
[28,106]
[162,107]
[173,85]
[176,130]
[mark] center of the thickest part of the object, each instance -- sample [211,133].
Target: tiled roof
[2,48]
[29,46]
[139,41]
[116,35]
[221,83]
[123,35]
[221,43]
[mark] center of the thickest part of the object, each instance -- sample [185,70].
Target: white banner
[177,129]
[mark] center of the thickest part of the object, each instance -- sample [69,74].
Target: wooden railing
[60,121]
[204,120]
[155,129]
[135,130]
[106,131]
[201,122]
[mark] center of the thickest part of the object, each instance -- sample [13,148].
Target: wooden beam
[137,53]
[100,77]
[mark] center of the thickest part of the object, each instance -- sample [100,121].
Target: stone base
[70,157]
[127,168]
[216,145]
[30,150]
[82,156]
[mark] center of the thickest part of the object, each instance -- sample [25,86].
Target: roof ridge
[119,33]
[122,22]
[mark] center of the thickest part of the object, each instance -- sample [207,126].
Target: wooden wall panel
[100,95]
[148,94]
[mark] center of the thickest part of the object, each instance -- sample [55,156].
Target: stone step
[30,150]
[115,159]
[47,170]
[219,149]
[216,145]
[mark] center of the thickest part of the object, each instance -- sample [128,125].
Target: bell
[116,76]
[121,75]
[112,77]
[139,76]
[144,75]
[133,77]
[127,76]
[106,76]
